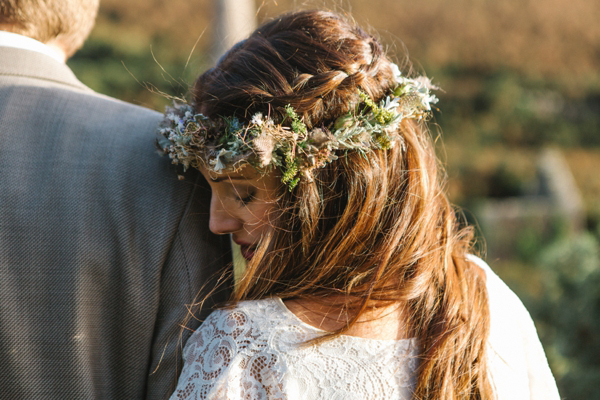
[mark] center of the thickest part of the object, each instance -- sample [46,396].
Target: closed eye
[245,200]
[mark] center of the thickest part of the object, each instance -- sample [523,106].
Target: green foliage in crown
[226,144]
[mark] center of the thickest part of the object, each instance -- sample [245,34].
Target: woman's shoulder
[501,298]
[250,317]
[249,306]
[234,325]
[244,314]
[509,319]
[222,357]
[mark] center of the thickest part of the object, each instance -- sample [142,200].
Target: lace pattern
[257,351]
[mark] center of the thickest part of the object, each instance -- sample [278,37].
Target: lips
[247,252]
[246,249]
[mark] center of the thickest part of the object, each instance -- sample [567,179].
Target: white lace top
[255,351]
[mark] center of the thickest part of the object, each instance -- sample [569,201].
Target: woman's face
[243,205]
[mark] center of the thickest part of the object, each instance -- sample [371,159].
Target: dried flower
[221,144]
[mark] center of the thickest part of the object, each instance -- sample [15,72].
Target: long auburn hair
[376,229]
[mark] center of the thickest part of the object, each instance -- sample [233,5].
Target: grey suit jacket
[101,246]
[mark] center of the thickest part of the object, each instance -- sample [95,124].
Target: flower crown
[226,144]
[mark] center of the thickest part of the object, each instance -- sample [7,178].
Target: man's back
[101,246]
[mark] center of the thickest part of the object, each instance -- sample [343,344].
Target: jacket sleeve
[194,267]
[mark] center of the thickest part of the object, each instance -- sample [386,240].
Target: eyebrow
[227,178]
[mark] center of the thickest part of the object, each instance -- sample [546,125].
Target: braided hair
[375,229]
[286,61]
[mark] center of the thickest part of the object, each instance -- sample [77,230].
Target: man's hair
[68,22]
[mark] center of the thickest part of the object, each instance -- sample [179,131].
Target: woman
[359,283]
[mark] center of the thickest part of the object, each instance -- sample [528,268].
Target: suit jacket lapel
[30,64]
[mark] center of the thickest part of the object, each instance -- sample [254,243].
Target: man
[101,247]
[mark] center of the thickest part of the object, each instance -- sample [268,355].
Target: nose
[222,220]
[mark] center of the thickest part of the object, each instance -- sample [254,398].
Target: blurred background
[519,120]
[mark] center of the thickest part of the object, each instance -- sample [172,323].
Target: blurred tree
[569,314]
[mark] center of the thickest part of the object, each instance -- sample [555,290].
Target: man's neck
[52,49]
[58,48]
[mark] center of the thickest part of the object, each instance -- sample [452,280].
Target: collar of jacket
[31,64]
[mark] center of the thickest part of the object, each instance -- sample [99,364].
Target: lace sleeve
[225,359]
[208,354]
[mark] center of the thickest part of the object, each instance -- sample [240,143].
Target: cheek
[264,217]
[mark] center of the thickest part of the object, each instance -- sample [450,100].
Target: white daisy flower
[257,119]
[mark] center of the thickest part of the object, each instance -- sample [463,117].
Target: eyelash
[247,199]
